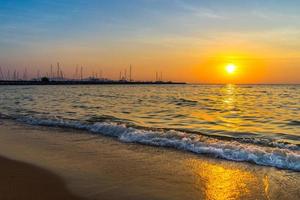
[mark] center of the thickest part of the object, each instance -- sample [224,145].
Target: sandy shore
[24,181]
[97,167]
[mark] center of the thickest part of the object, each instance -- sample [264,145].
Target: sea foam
[279,156]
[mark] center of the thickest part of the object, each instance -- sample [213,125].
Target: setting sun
[230,69]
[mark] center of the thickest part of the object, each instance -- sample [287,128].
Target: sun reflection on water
[230,104]
[219,182]
[229,95]
[266,186]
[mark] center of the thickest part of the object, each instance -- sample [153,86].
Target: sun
[230,68]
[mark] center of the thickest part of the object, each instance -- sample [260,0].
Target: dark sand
[98,167]
[23,181]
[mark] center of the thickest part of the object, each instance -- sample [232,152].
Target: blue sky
[43,31]
[33,21]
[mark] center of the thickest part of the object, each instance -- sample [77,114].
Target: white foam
[283,158]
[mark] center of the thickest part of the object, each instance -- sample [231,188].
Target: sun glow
[230,69]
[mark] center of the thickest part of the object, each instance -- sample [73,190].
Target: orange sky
[186,41]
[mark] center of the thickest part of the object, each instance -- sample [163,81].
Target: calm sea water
[253,123]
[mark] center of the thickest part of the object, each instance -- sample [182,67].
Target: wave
[294,123]
[183,102]
[279,155]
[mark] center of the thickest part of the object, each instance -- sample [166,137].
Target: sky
[185,40]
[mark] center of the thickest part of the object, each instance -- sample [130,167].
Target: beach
[149,100]
[98,167]
[24,181]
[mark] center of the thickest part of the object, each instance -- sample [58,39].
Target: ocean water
[250,123]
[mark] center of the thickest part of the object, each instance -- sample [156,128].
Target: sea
[259,124]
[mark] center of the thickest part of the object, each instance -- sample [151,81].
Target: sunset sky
[186,40]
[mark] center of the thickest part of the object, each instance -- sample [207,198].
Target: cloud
[200,11]
[271,16]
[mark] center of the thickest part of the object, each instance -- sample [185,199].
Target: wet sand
[23,181]
[98,167]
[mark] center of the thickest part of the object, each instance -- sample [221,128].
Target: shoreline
[99,167]
[90,82]
[211,145]
[25,181]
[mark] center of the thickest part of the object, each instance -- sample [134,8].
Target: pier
[86,82]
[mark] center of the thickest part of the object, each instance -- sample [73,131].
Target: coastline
[88,82]
[25,181]
[98,167]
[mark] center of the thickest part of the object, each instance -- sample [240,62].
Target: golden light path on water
[221,182]
[230,100]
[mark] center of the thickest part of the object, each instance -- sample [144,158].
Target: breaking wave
[261,152]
